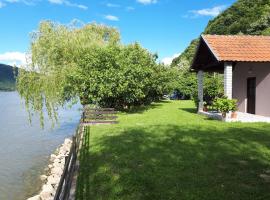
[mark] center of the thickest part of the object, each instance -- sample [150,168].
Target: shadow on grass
[176,162]
[143,108]
[189,110]
[83,180]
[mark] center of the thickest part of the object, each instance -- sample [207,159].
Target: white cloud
[2,4]
[111,18]
[168,60]
[213,12]
[146,2]
[26,2]
[130,8]
[68,3]
[112,5]
[13,58]
[56,1]
[80,6]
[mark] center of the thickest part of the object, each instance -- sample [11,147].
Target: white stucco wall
[261,71]
[228,79]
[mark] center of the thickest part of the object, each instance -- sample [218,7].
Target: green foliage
[213,87]
[89,62]
[225,105]
[187,83]
[261,26]
[244,16]
[125,76]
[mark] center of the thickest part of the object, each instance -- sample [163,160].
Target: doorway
[251,95]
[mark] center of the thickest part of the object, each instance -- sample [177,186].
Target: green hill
[7,77]
[250,17]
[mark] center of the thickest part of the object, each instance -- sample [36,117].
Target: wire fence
[64,186]
[90,116]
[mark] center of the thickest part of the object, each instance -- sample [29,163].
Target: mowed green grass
[168,152]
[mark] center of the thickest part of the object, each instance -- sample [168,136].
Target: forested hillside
[7,77]
[243,17]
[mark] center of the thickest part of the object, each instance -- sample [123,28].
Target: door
[251,95]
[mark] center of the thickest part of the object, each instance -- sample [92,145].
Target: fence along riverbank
[63,171]
[66,189]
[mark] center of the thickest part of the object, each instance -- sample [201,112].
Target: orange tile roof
[239,47]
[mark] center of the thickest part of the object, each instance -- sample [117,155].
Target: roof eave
[210,48]
[197,51]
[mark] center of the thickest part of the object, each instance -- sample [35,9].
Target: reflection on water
[24,148]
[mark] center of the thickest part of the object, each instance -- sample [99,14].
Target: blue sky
[162,26]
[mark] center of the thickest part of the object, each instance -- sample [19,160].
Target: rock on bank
[54,173]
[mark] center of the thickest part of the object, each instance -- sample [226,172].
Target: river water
[25,148]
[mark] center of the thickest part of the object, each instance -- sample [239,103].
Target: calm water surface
[25,148]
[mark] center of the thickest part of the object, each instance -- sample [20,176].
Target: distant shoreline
[7,90]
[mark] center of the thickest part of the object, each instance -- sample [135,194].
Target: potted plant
[205,109]
[234,108]
[225,105]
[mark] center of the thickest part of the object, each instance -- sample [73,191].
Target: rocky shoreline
[53,172]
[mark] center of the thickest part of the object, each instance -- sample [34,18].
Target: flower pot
[234,115]
[205,109]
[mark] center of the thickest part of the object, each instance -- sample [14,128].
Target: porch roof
[214,50]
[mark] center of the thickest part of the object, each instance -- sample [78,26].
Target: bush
[225,105]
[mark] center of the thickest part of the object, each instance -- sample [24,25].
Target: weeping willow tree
[60,54]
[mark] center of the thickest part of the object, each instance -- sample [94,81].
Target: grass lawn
[168,152]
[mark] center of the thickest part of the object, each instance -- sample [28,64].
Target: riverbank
[53,172]
[26,148]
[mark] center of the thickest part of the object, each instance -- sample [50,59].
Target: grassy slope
[169,152]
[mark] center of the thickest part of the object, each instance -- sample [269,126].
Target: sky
[165,27]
